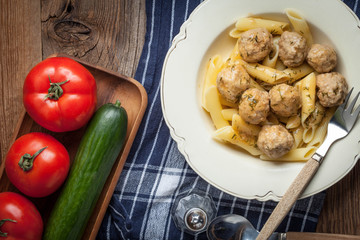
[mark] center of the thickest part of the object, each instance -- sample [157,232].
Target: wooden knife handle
[319,236]
[289,198]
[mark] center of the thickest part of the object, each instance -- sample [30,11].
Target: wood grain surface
[20,47]
[109,34]
[341,210]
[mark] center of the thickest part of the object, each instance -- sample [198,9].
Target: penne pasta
[298,136]
[309,133]
[308,87]
[228,134]
[298,72]
[213,68]
[322,129]
[312,122]
[298,85]
[299,24]
[271,59]
[214,107]
[234,55]
[293,122]
[228,113]
[241,126]
[274,27]
[316,116]
[265,74]
[235,33]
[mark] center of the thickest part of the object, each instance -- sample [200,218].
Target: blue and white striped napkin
[155,171]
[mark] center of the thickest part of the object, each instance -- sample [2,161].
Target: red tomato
[37,164]
[60,94]
[19,218]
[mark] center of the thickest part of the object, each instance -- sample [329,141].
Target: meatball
[284,100]
[332,89]
[292,49]
[275,140]
[232,81]
[255,44]
[254,106]
[322,58]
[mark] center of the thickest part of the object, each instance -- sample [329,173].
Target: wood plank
[105,33]
[20,47]
[341,210]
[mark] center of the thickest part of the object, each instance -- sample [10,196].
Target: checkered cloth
[155,171]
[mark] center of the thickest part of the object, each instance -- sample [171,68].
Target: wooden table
[110,34]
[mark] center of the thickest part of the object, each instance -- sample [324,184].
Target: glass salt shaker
[193,211]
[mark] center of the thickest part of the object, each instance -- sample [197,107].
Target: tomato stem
[3,234]
[55,91]
[26,162]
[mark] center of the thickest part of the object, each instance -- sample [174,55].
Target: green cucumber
[99,148]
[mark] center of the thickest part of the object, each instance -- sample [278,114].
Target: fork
[339,126]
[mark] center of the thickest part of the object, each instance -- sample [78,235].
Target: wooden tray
[110,87]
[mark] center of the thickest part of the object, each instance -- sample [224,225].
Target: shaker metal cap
[196,219]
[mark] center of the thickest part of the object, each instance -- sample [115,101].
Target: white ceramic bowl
[205,34]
